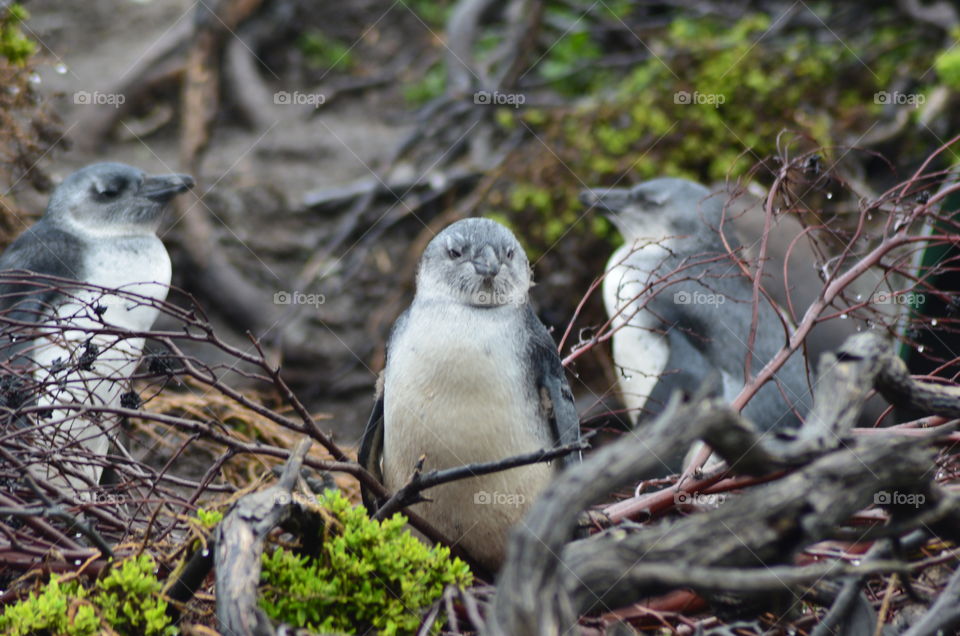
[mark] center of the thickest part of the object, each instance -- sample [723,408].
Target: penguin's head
[677,211]
[476,262]
[113,198]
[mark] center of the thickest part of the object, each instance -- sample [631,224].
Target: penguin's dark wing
[716,312]
[551,382]
[686,370]
[712,306]
[371,451]
[371,446]
[43,249]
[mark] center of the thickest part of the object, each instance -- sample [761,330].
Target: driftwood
[850,599]
[212,273]
[548,581]
[341,195]
[944,615]
[452,123]
[239,546]
[843,381]
[162,62]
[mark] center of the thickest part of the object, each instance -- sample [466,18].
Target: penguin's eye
[109,190]
[454,253]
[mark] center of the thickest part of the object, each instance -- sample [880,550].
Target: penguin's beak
[164,187]
[609,201]
[486,263]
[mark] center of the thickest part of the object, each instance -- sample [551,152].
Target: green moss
[324,52]
[370,574]
[566,56]
[428,87]
[127,601]
[47,612]
[14,45]
[129,598]
[433,12]
[948,63]
[707,104]
[209,518]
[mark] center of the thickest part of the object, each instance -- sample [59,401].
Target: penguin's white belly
[640,352]
[139,266]
[458,398]
[142,267]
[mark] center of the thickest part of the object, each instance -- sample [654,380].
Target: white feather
[639,351]
[134,264]
[456,393]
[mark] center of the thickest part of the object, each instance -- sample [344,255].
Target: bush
[369,574]
[127,601]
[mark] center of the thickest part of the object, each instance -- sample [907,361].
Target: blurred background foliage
[636,122]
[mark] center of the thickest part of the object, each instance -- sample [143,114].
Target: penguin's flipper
[371,452]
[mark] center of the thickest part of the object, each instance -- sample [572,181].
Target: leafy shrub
[127,601]
[369,574]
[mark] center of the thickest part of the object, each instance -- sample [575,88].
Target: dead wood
[209,269]
[762,528]
[239,547]
[163,61]
[248,92]
[944,615]
[850,598]
[548,582]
